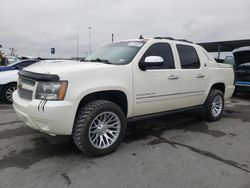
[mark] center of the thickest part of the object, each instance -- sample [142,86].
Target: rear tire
[214,105]
[8,92]
[99,128]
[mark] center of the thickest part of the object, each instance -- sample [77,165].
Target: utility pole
[77,44]
[89,40]
[112,37]
[219,49]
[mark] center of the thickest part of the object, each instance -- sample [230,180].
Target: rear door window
[188,57]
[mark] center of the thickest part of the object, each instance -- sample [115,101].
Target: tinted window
[163,50]
[188,57]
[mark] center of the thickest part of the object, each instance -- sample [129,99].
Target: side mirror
[151,61]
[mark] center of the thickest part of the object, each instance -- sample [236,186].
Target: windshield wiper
[100,60]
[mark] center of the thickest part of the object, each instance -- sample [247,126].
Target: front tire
[214,105]
[99,128]
[8,92]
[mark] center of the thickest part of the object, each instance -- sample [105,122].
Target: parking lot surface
[170,151]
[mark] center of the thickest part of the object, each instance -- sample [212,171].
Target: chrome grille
[25,88]
[27,81]
[25,94]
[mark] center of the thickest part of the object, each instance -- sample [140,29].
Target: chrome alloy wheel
[9,93]
[217,106]
[104,130]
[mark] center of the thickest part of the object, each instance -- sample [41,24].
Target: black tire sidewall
[208,105]
[5,90]
[95,114]
[88,148]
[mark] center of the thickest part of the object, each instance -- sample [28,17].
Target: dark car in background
[9,77]
[18,65]
[241,64]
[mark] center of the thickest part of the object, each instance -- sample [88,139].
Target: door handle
[173,77]
[200,76]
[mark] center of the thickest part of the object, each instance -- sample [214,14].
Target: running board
[153,115]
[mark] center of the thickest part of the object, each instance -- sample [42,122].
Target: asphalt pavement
[171,151]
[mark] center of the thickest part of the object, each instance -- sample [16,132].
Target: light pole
[77,44]
[89,40]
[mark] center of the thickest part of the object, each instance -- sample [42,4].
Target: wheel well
[115,96]
[219,86]
[4,86]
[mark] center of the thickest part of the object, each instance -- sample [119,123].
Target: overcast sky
[34,26]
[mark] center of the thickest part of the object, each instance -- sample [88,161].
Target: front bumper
[56,119]
[242,86]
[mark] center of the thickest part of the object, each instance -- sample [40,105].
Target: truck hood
[59,67]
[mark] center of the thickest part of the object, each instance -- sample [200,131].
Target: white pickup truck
[123,81]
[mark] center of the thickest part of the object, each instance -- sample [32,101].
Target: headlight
[51,90]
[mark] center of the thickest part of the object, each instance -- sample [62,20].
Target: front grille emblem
[19,84]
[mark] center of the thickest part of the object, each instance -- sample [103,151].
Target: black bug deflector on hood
[39,76]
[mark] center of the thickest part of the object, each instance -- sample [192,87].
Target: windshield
[117,53]
[14,63]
